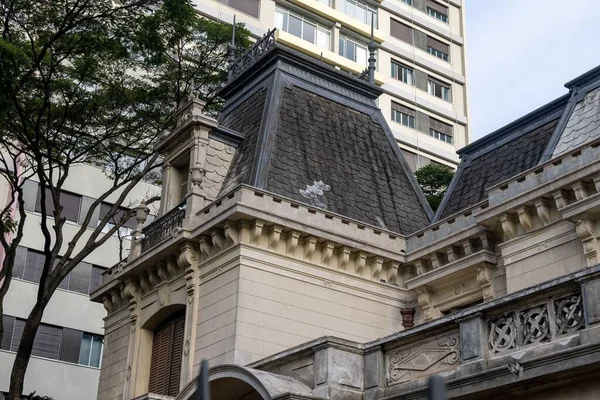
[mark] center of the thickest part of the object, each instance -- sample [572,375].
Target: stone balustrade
[540,330]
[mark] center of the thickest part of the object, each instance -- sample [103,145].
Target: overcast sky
[522,52]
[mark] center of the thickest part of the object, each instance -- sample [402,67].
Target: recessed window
[55,342]
[167,349]
[403,115]
[439,89]
[409,2]
[90,353]
[127,229]
[402,73]
[303,28]
[360,10]
[440,135]
[250,7]
[401,31]
[437,15]
[438,49]
[440,130]
[437,53]
[437,10]
[353,50]
[70,202]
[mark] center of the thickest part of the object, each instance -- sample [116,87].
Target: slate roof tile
[320,139]
[496,166]
[246,118]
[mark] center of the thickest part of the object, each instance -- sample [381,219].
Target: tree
[434,180]
[93,81]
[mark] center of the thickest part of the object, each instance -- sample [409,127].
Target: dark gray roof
[319,138]
[583,124]
[480,172]
[247,119]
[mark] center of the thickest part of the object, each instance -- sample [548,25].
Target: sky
[520,53]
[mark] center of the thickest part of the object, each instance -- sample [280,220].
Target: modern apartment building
[421,58]
[68,348]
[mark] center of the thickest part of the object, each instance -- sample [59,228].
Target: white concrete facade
[419,147]
[68,309]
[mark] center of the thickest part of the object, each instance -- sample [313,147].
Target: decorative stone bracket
[587,232]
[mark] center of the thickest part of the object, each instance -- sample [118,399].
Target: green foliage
[94,81]
[434,180]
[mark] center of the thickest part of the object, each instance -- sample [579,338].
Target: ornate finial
[372,48]
[231,50]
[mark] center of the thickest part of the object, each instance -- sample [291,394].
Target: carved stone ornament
[569,314]
[535,325]
[585,228]
[503,334]
[423,360]
[315,192]
[187,256]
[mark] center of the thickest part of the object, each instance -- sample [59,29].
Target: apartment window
[403,115]
[250,7]
[411,159]
[361,11]
[84,278]
[401,31]
[409,2]
[440,130]
[437,10]
[90,353]
[438,49]
[402,73]
[353,50]
[95,278]
[165,364]
[46,343]
[34,266]
[439,89]
[303,28]
[130,225]
[70,203]
[55,342]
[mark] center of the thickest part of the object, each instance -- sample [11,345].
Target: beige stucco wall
[114,358]
[544,254]
[254,303]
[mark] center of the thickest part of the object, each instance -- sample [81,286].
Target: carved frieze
[422,360]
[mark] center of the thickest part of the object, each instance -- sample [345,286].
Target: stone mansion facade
[295,251]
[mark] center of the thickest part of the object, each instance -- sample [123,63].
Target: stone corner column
[374,373]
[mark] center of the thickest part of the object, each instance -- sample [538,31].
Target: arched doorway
[234,382]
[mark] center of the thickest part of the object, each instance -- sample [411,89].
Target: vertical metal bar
[436,388]
[203,391]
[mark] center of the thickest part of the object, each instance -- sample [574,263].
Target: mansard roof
[500,155]
[554,129]
[315,134]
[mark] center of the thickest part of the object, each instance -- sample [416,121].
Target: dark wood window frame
[167,350]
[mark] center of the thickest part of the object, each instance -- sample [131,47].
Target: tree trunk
[17,376]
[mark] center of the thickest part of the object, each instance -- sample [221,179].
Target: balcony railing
[249,58]
[163,227]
